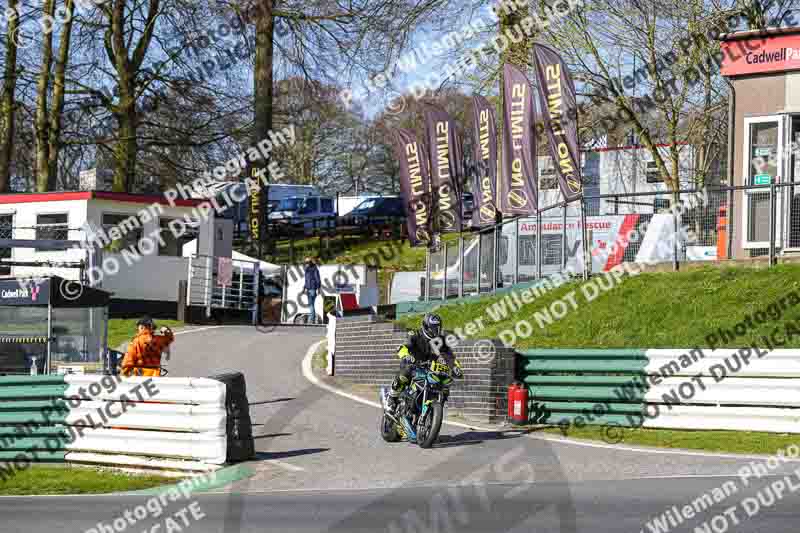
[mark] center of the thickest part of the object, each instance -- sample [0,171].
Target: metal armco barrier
[675,388]
[28,401]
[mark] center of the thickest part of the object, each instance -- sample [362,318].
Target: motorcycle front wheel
[388,429]
[429,426]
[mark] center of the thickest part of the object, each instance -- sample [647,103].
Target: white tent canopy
[240,260]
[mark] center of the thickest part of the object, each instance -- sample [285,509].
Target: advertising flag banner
[559,105]
[415,186]
[447,169]
[484,189]
[518,186]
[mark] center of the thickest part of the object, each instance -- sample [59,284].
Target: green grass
[123,329]
[389,256]
[654,310]
[711,441]
[70,480]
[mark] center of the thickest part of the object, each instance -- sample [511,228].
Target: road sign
[762,179]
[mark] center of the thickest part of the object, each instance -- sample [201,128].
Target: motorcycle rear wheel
[430,425]
[388,429]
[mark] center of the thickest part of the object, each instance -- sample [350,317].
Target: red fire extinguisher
[511,389]
[518,403]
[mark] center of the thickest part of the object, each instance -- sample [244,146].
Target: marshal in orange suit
[144,351]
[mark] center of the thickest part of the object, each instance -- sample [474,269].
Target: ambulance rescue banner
[559,105]
[518,185]
[484,188]
[415,186]
[447,169]
[613,240]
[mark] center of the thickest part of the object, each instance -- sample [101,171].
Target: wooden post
[182,293]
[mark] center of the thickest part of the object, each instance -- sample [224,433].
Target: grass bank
[73,480]
[653,310]
[706,440]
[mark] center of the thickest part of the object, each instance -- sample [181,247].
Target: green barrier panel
[575,379]
[602,420]
[32,413]
[579,365]
[27,381]
[38,443]
[583,393]
[25,392]
[588,407]
[587,353]
[41,456]
[591,381]
[12,432]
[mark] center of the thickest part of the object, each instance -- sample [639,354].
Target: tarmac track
[322,466]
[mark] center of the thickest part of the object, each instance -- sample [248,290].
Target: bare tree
[7,98]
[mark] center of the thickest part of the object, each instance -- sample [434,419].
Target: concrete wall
[366,354]
[151,278]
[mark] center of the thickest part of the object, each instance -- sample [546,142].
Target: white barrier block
[195,391]
[736,391]
[777,363]
[770,419]
[151,416]
[205,447]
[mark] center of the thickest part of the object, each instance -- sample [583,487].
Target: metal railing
[208,288]
[596,233]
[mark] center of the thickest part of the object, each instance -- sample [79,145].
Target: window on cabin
[125,231]
[51,227]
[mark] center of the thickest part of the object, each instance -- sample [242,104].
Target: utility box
[97,179]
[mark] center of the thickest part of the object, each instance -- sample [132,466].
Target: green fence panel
[575,379]
[41,456]
[579,384]
[25,380]
[26,392]
[32,413]
[585,353]
[582,393]
[631,366]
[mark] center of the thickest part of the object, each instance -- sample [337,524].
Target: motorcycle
[420,408]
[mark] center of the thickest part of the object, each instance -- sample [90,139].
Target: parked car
[307,212]
[375,216]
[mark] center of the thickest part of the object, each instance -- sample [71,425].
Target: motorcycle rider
[425,344]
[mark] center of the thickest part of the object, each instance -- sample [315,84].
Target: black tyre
[388,429]
[429,426]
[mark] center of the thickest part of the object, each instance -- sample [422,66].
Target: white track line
[195,330]
[285,465]
[309,375]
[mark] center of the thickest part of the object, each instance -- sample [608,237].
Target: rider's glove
[409,359]
[457,372]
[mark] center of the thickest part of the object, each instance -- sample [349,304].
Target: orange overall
[144,354]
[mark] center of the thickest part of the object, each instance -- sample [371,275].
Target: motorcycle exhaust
[383,393]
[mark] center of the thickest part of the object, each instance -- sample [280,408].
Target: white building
[65,216]
[621,170]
